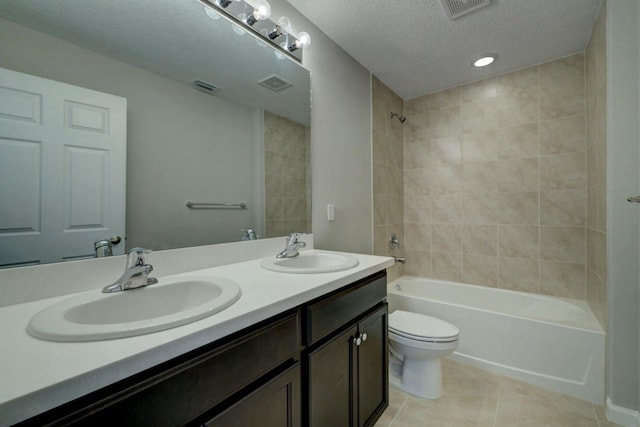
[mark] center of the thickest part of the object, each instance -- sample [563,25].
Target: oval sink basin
[93,316]
[311,262]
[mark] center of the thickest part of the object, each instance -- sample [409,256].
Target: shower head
[399,117]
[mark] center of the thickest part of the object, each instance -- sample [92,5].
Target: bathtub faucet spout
[400,259]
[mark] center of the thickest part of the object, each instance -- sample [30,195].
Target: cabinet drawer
[187,390]
[326,315]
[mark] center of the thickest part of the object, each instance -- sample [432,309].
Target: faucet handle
[137,256]
[249,234]
[293,238]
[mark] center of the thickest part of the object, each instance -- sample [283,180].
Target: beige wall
[495,181]
[286,149]
[340,140]
[388,191]
[596,84]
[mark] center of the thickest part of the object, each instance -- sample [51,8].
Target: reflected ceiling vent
[205,87]
[274,83]
[457,8]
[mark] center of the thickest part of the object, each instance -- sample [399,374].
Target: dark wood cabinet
[321,364]
[346,370]
[330,381]
[276,404]
[373,361]
[195,387]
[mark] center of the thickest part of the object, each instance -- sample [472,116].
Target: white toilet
[417,343]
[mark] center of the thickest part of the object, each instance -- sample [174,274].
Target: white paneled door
[62,169]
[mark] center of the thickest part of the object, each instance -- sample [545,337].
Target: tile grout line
[539,187]
[495,414]
[595,415]
[393,420]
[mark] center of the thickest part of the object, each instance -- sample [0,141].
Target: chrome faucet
[136,273]
[293,244]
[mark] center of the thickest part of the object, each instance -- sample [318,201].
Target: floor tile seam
[400,409]
[595,415]
[497,410]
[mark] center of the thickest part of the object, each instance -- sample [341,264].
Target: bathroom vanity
[346,355]
[312,351]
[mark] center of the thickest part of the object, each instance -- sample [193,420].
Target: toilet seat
[420,327]
[433,346]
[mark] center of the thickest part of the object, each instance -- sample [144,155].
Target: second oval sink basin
[310,262]
[93,315]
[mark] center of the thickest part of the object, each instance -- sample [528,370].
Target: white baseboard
[624,416]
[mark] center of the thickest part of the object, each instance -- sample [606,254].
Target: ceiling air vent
[274,83]
[205,87]
[457,8]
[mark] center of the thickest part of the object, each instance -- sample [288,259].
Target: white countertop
[38,375]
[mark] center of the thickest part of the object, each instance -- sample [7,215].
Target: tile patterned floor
[477,398]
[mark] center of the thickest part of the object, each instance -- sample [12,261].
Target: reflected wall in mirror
[287,176]
[242,144]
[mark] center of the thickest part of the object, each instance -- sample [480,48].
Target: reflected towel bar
[198,205]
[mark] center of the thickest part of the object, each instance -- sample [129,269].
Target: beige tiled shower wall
[286,160]
[495,181]
[388,212]
[596,77]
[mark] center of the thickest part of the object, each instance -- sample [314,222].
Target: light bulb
[211,13]
[303,41]
[285,23]
[262,11]
[237,28]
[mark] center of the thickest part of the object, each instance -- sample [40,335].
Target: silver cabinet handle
[360,338]
[634,199]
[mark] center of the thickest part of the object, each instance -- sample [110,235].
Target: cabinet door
[331,387]
[276,404]
[372,368]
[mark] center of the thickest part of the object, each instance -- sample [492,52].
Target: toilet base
[422,378]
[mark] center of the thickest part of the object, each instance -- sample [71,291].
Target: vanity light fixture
[303,41]
[484,60]
[261,12]
[254,19]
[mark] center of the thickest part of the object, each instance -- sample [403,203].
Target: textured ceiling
[415,49]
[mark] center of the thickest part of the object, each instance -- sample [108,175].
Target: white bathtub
[553,343]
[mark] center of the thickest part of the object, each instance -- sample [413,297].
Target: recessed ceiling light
[484,60]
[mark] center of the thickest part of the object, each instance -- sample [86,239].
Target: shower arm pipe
[398,116]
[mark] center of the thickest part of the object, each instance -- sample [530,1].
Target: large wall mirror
[244,142]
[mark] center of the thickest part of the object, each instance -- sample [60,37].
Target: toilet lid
[421,326]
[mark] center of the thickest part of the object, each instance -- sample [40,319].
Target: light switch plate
[330,212]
